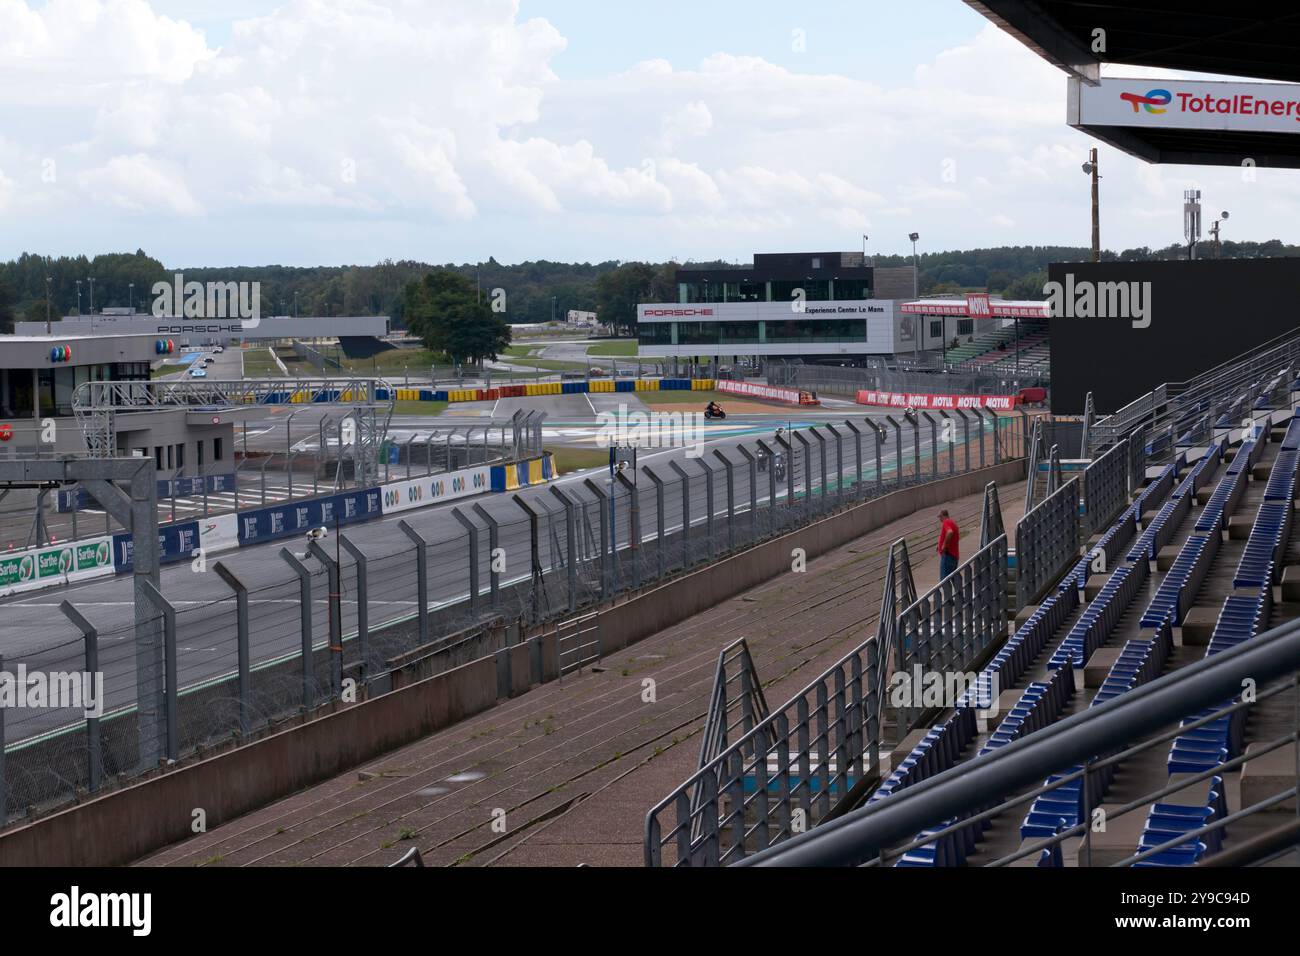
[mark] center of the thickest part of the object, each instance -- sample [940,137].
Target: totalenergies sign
[61,353]
[1247,107]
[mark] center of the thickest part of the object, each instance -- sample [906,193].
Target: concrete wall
[124,825]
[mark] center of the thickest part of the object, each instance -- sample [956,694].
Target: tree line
[527,292]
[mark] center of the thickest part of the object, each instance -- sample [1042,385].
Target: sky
[327,132]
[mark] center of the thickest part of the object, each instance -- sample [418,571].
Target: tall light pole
[1214,231]
[1090,167]
[92,295]
[1192,220]
[78,297]
[916,292]
[130,295]
[47,305]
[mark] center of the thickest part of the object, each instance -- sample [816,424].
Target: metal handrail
[862,835]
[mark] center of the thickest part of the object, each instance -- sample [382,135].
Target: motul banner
[772,393]
[927,402]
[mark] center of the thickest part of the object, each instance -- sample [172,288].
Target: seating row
[1262,557]
[1223,502]
[1177,591]
[1094,626]
[1140,660]
[1009,664]
[937,752]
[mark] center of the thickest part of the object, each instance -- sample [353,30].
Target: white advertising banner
[219,533]
[1185,104]
[432,489]
[756,390]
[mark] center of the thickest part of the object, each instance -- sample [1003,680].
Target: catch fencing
[273,636]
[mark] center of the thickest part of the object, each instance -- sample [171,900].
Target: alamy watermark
[46,690]
[1085,299]
[623,428]
[925,690]
[208,300]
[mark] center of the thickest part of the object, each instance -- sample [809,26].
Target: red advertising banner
[772,393]
[927,402]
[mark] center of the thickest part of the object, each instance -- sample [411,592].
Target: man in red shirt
[948,537]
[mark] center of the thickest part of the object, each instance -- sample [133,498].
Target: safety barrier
[522,474]
[953,623]
[1047,540]
[1105,488]
[454,395]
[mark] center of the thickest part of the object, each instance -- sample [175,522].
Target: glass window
[218,452]
[852,289]
[817,330]
[965,326]
[936,328]
[738,333]
[698,333]
[655,333]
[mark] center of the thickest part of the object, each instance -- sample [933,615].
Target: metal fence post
[241,640]
[839,464]
[821,453]
[731,498]
[471,531]
[606,561]
[538,594]
[686,511]
[422,577]
[753,491]
[949,431]
[898,451]
[807,473]
[914,419]
[571,543]
[170,692]
[634,525]
[363,605]
[659,514]
[94,760]
[494,547]
[335,649]
[997,437]
[965,436]
[771,475]
[859,486]
[709,507]
[304,600]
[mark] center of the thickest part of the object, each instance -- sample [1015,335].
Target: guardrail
[1105,488]
[780,773]
[1047,541]
[1204,697]
[946,629]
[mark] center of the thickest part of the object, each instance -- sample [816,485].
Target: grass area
[408,406]
[522,351]
[166,370]
[569,459]
[684,397]
[258,364]
[626,347]
[396,361]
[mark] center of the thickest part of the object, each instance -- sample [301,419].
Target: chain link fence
[272,635]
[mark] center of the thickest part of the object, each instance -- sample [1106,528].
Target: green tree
[6,309]
[446,312]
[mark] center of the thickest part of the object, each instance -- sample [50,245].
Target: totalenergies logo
[1154,102]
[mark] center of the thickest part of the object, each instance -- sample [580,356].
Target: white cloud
[444,120]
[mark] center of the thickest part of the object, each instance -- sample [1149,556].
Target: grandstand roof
[1246,39]
[1002,308]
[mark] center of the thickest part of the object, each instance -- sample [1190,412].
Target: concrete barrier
[127,824]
